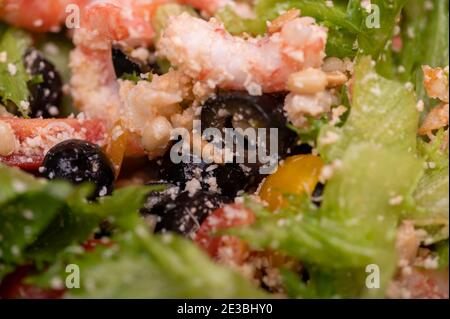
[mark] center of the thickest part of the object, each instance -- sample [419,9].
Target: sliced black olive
[230,178]
[124,64]
[186,212]
[300,149]
[79,161]
[156,201]
[241,110]
[45,87]
[317,195]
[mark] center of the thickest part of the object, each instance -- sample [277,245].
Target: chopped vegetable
[425,34]
[35,136]
[342,30]
[383,113]
[13,77]
[369,189]
[56,218]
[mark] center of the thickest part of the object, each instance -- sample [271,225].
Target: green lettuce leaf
[442,251]
[431,206]
[45,223]
[38,218]
[383,113]
[25,218]
[13,87]
[377,171]
[372,39]
[27,206]
[356,225]
[346,21]
[425,35]
[147,266]
[14,182]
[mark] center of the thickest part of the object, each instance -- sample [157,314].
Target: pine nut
[277,24]
[336,78]
[333,64]
[7,139]
[309,81]
[156,134]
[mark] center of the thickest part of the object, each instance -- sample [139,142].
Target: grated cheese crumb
[3,57]
[397,200]
[193,186]
[12,69]
[420,106]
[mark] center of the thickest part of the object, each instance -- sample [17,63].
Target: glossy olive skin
[123,64]
[300,149]
[230,178]
[156,200]
[317,194]
[79,161]
[181,213]
[237,109]
[46,96]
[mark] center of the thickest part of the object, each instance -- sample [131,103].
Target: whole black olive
[239,110]
[79,161]
[45,94]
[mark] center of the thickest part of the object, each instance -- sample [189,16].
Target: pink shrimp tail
[119,21]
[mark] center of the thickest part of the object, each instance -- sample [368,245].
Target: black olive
[46,94]
[300,149]
[241,110]
[79,161]
[123,64]
[230,178]
[156,200]
[186,212]
[317,195]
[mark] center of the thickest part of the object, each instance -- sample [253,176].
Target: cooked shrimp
[37,15]
[407,243]
[436,119]
[208,53]
[415,283]
[94,86]
[152,109]
[147,110]
[210,7]
[436,82]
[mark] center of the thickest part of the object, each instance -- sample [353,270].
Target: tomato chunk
[36,136]
[225,248]
[13,286]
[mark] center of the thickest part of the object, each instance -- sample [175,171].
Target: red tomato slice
[227,248]
[91,244]
[36,136]
[14,287]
